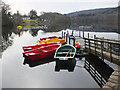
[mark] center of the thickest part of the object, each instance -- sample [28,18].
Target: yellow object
[62,41]
[19,27]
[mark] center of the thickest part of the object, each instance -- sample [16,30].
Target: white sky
[60,6]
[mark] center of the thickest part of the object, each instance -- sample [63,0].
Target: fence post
[89,45]
[95,46]
[88,35]
[69,39]
[73,41]
[110,52]
[66,37]
[79,33]
[72,33]
[85,43]
[94,36]
[83,34]
[64,34]
[102,57]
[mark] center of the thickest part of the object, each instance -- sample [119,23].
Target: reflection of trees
[33,32]
[7,40]
[56,28]
[7,37]
[6,43]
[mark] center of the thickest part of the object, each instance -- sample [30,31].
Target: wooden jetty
[100,47]
[105,49]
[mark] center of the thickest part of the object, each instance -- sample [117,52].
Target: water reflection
[7,40]
[38,62]
[33,32]
[98,69]
[95,29]
[60,65]
[65,64]
[42,73]
[8,33]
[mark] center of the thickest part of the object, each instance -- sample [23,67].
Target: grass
[30,20]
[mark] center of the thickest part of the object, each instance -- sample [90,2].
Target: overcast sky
[60,6]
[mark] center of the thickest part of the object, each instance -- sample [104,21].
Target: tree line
[99,18]
[7,18]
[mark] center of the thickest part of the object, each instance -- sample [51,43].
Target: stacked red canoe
[40,51]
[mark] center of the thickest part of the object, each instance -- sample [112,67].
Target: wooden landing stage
[104,48]
[114,81]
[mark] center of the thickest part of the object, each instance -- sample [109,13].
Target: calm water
[17,75]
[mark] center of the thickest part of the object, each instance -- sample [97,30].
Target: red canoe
[42,52]
[50,38]
[27,48]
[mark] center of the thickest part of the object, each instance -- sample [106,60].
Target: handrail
[97,47]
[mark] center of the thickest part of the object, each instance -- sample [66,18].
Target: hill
[105,18]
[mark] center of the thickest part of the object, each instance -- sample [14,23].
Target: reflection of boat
[51,40]
[26,48]
[67,64]
[65,52]
[39,62]
[42,52]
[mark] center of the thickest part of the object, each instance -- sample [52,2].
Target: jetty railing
[104,49]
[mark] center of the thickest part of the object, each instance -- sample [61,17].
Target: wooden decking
[114,81]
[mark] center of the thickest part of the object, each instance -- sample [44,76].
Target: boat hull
[65,52]
[58,39]
[27,48]
[41,53]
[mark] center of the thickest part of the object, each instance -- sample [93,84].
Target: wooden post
[73,41]
[83,34]
[69,39]
[66,37]
[79,33]
[62,34]
[95,46]
[85,43]
[89,45]
[110,52]
[72,33]
[102,57]
[88,35]
[94,36]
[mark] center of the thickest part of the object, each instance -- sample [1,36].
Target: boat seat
[65,52]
